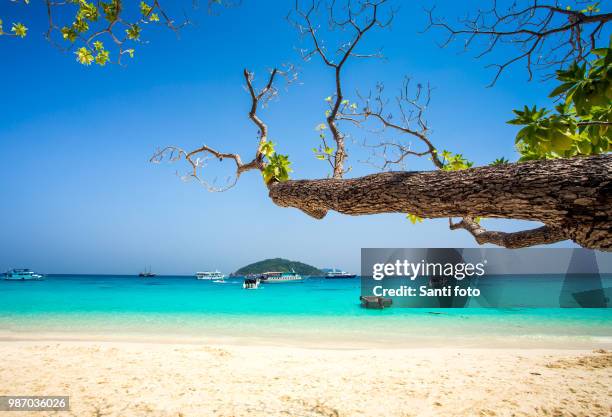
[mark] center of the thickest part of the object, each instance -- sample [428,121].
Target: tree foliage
[580,122]
[98,32]
[277,166]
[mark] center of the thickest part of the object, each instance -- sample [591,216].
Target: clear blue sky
[78,193]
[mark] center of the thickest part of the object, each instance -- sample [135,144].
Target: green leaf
[560,142]
[80,26]
[454,162]
[600,51]
[277,168]
[111,10]
[500,161]
[145,9]
[414,218]
[561,89]
[84,56]
[102,58]
[133,32]
[19,29]
[69,34]
[267,149]
[87,11]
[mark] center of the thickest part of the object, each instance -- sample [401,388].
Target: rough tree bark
[572,197]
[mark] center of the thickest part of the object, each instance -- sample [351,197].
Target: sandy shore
[126,379]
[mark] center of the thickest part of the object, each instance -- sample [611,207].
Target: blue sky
[78,193]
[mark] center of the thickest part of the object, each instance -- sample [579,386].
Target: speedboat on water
[251,283]
[22,275]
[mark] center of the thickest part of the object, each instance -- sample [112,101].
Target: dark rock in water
[371,301]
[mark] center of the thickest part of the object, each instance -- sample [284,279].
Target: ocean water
[315,311]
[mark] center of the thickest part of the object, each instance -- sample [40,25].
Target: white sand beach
[129,379]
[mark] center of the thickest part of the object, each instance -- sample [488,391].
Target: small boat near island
[211,275]
[251,283]
[338,274]
[147,273]
[22,274]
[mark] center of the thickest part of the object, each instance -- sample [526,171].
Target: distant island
[278,265]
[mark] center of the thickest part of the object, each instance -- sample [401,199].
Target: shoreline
[123,379]
[540,342]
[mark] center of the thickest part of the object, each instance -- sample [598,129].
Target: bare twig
[197,157]
[411,122]
[358,18]
[545,33]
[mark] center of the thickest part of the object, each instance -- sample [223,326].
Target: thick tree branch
[574,195]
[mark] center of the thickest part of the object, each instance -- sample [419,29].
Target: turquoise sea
[313,312]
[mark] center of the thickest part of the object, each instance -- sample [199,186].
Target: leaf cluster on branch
[99,32]
[581,122]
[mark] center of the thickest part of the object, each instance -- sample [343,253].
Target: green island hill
[278,265]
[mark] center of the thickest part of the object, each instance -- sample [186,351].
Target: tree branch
[530,29]
[196,162]
[574,195]
[374,107]
[523,239]
[344,52]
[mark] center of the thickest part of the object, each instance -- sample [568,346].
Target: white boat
[335,274]
[147,273]
[276,277]
[210,275]
[22,275]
